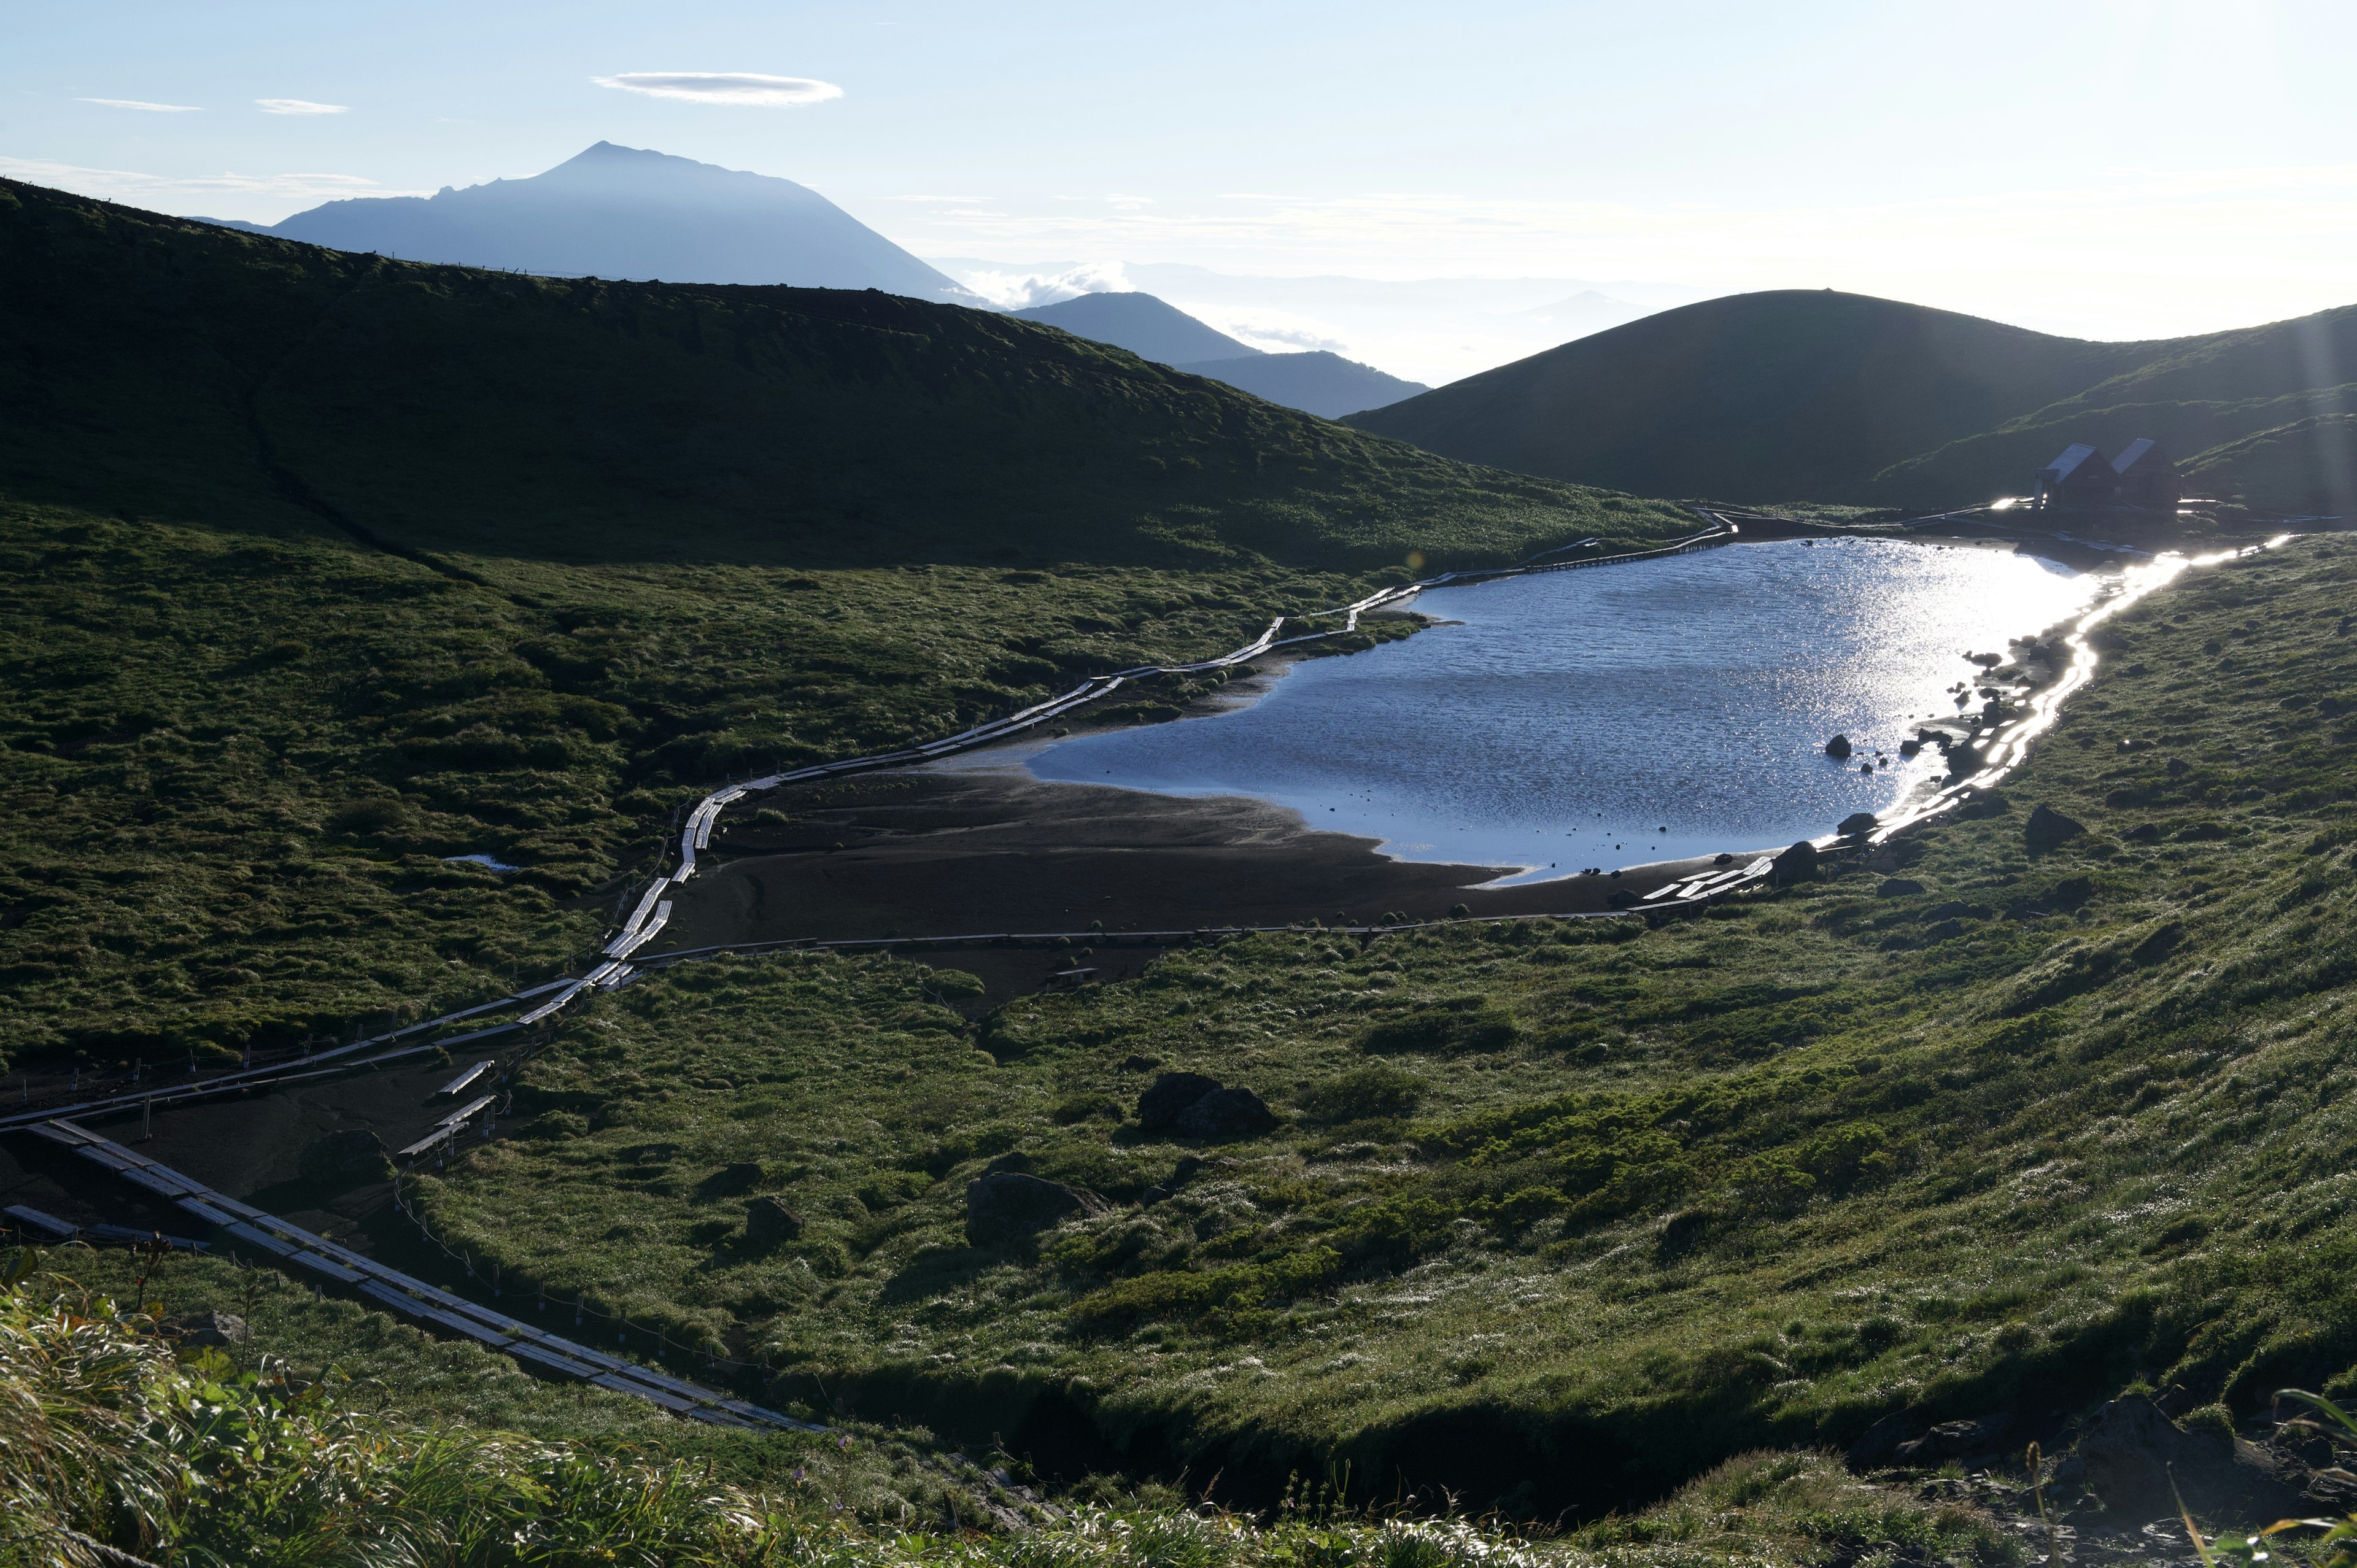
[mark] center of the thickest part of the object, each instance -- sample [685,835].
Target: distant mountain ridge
[1316,381]
[1142,324]
[1794,396]
[624,212]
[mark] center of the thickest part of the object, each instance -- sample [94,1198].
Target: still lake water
[1615,716]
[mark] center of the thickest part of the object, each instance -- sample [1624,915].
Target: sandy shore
[972,850]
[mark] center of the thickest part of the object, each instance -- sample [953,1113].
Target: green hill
[173,369]
[1820,395]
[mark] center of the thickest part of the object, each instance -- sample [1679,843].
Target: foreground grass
[115,1439]
[1562,1213]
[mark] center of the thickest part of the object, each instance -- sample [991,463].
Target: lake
[1618,716]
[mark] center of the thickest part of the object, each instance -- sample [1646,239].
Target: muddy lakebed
[1651,712]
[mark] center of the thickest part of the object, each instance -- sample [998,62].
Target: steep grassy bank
[1561,1215]
[121,1439]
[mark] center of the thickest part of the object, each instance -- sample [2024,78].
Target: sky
[2101,170]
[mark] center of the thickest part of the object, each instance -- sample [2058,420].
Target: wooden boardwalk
[411,1299]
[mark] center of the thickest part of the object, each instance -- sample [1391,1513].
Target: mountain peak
[633,212]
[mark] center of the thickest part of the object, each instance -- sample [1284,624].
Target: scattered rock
[768,1223]
[1798,863]
[1226,1113]
[1899,888]
[2049,828]
[1838,749]
[1171,1093]
[1006,1205]
[351,1155]
[1953,1440]
[730,1180]
[1859,822]
[208,1328]
[1881,1443]
[2131,1453]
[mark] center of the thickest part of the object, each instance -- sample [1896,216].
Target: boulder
[731,1180]
[769,1222]
[1006,1205]
[1882,1442]
[1940,930]
[1838,749]
[2142,833]
[2130,1453]
[1168,1095]
[1910,747]
[1798,863]
[2049,828]
[1899,888]
[1859,822]
[1226,1113]
[1955,1439]
[208,1328]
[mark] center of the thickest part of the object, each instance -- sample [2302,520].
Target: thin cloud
[739,86]
[145,107]
[1012,290]
[299,106]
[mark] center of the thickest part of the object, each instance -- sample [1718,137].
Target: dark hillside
[157,366]
[1769,397]
[1756,397]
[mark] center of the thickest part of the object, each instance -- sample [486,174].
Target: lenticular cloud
[723,87]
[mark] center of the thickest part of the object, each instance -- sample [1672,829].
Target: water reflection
[1649,711]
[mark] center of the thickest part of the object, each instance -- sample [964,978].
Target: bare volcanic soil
[961,851]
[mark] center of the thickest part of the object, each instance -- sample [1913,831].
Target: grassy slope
[644,538]
[1760,1177]
[1771,396]
[1758,396]
[181,1454]
[2256,414]
[164,367]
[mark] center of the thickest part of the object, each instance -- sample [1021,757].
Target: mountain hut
[2147,479]
[2081,477]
